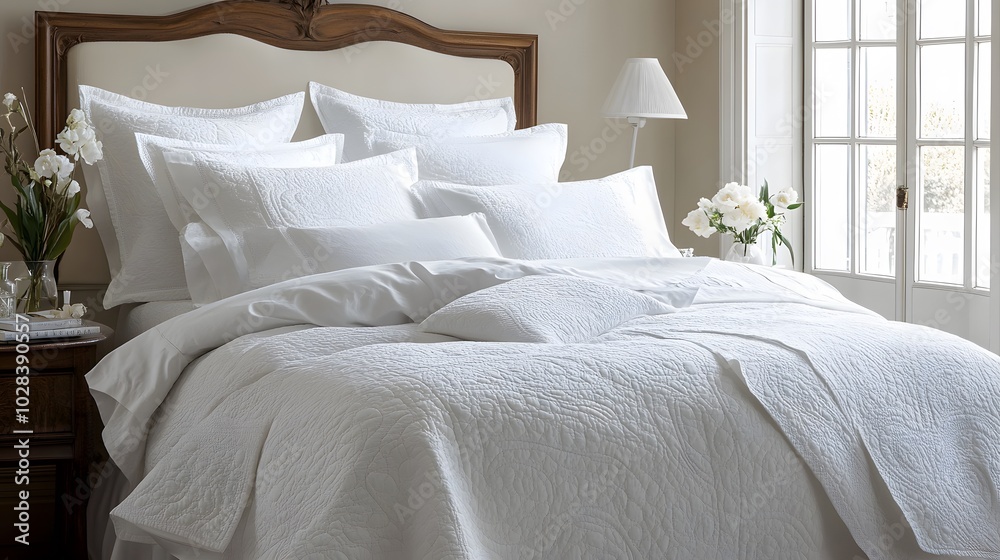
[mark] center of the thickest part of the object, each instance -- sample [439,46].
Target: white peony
[699,222]
[785,198]
[83,215]
[706,205]
[9,99]
[51,165]
[745,215]
[731,196]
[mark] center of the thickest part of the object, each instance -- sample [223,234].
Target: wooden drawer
[42,510]
[51,404]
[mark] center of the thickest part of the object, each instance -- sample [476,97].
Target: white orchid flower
[51,165]
[83,215]
[9,99]
[77,119]
[72,189]
[75,311]
[92,152]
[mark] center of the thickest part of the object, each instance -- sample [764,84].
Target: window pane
[831,210]
[878,20]
[878,174]
[942,91]
[983,203]
[985,13]
[878,76]
[941,256]
[833,93]
[833,20]
[942,18]
[985,59]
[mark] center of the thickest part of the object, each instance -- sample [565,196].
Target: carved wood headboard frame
[305,25]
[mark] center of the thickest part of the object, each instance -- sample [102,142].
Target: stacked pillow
[205,204]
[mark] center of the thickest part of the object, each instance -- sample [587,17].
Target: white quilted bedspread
[326,425]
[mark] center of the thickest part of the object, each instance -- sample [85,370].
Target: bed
[514,405]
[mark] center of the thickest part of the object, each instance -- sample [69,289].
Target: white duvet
[762,416]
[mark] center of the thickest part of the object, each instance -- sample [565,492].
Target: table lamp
[642,92]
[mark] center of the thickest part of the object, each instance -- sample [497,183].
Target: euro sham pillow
[321,151]
[543,309]
[617,216]
[231,199]
[533,155]
[355,116]
[274,255]
[145,264]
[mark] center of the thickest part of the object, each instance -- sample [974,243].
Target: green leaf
[785,242]
[62,239]
[795,206]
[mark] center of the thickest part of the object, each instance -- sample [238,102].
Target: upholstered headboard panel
[230,71]
[237,52]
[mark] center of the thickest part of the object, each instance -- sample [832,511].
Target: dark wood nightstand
[65,425]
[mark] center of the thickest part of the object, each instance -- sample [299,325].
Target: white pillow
[322,151]
[232,199]
[533,155]
[273,255]
[146,265]
[354,116]
[541,309]
[618,216]
[207,265]
[318,152]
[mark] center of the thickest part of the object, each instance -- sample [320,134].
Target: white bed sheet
[646,442]
[134,320]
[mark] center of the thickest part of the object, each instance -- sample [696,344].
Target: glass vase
[8,292]
[746,253]
[36,290]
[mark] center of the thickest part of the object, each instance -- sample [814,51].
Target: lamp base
[637,123]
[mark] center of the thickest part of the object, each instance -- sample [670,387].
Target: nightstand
[61,450]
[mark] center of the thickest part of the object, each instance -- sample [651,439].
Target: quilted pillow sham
[321,151]
[232,199]
[273,255]
[355,116]
[541,309]
[318,152]
[533,155]
[146,264]
[618,216]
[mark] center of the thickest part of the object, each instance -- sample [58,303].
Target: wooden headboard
[303,25]
[262,40]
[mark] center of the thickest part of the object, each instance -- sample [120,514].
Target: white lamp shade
[644,91]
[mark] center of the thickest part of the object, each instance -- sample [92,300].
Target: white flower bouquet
[737,210]
[46,211]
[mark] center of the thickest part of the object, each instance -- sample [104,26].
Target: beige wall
[696,64]
[582,46]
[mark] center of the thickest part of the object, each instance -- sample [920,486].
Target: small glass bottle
[8,292]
